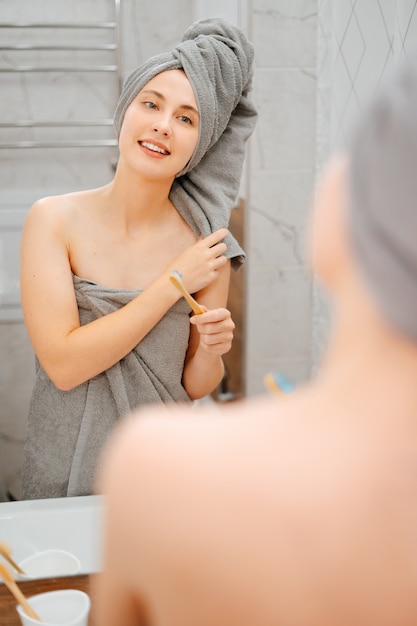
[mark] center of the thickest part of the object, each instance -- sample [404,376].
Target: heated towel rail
[111,46]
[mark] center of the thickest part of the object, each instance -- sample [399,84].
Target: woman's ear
[328,233]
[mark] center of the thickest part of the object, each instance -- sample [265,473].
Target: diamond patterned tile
[406,17]
[365,38]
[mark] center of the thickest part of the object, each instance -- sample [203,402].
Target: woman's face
[161,127]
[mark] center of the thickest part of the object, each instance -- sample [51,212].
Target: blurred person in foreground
[299,510]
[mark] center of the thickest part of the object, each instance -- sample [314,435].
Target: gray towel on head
[383,203]
[218,61]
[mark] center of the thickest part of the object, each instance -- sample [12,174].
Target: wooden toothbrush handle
[14,589]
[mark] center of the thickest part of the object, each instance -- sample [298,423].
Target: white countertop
[72,524]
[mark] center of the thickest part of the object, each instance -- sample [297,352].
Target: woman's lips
[154,147]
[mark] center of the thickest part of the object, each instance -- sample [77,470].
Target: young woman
[109,329]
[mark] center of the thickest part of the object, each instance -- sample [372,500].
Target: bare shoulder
[266,455]
[263,439]
[305,503]
[54,219]
[261,429]
[59,206]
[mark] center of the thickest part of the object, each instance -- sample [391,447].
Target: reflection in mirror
[57,136]
[306,100]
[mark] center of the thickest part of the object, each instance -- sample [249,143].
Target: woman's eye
[149,104]
[185,119]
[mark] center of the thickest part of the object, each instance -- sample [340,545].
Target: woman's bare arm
[211,336]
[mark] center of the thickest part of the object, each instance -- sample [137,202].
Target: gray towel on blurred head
[383,205]
[218,61]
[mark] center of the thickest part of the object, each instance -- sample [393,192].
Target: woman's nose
[162,125]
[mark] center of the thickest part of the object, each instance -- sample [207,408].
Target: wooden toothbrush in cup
[10,583]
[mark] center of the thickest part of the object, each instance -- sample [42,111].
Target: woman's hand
[216,330]
[211,335]
[199,264]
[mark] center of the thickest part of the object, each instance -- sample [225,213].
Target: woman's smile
[155,149]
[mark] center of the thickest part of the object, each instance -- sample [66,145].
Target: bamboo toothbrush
[176,279]
[5,552]
[10,583]
[276,383]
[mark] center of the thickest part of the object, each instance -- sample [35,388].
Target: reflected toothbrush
[278,384]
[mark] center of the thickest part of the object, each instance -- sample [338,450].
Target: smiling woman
[163,120]
[109,329]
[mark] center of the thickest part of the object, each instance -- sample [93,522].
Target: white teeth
[151,146]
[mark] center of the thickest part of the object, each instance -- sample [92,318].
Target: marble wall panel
[278,217]
[285,33]
[285,133]
[279,313]
[281,184]
[147,31]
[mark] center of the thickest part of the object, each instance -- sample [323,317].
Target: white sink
[72,524]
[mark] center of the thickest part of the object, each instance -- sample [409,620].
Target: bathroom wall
[280,180]
[317,64]
[358,43]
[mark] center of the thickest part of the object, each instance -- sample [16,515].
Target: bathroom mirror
[317,63]
[62,68]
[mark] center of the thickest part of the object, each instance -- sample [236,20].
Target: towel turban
[218,61]
[383,197]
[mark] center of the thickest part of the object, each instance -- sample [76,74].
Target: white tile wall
[358,42]
[282,168]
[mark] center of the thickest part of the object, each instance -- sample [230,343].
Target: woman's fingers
[199,263]
[216,330]
[215,237]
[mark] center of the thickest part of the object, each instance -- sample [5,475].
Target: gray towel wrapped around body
[218,61]
[67,429]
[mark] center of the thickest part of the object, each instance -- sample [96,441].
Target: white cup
[66,607]
[49,564]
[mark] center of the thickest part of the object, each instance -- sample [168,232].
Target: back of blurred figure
[302,510]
